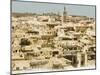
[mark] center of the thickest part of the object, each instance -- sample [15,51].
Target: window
[17,68]
[21,55]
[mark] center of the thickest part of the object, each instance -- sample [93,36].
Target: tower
[64,15]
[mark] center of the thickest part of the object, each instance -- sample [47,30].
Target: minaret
[58,16]
[64,15]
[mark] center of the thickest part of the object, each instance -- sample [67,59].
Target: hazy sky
[35,7]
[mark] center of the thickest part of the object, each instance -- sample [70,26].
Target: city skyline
[49,42]
[36,7]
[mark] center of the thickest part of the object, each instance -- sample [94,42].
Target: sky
[37,7]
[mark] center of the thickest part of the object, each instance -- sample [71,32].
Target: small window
[17,68]
[55,53]
[21,55]
[41,52]
[15,50]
